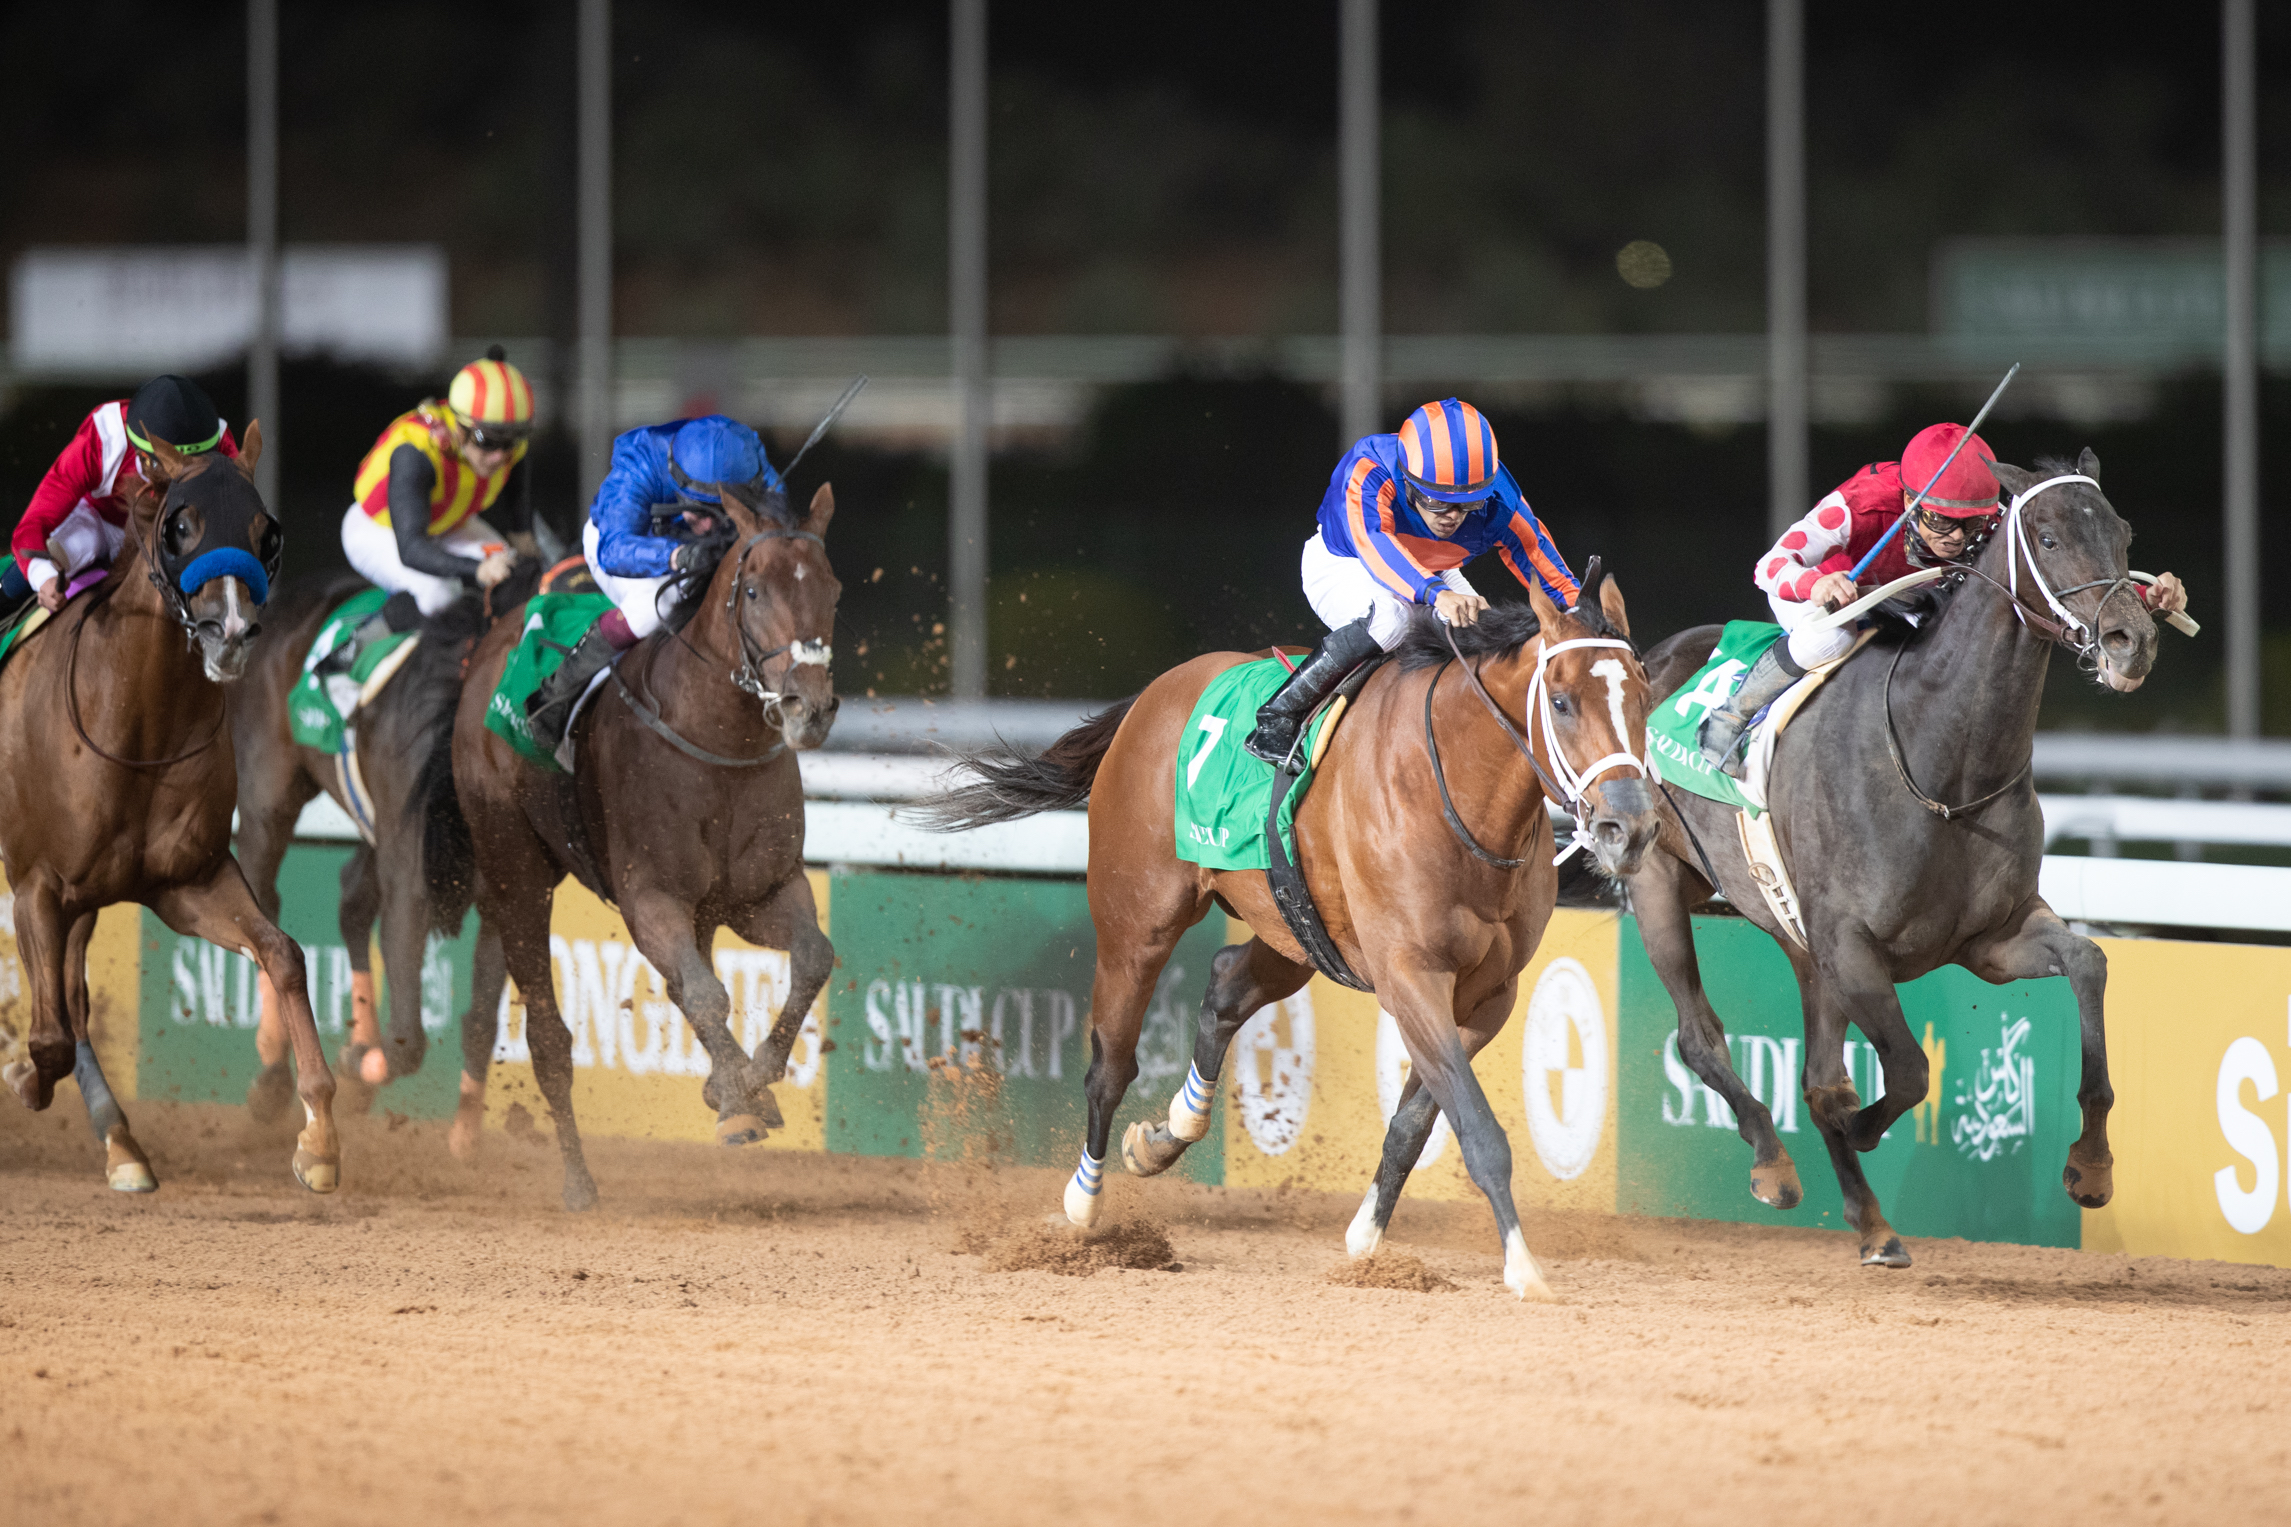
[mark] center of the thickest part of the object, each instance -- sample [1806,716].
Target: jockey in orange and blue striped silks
[1403,514]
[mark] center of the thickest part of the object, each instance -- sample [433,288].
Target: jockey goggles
[497,437]
[1934,523]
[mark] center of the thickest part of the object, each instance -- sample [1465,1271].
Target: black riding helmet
[174,409]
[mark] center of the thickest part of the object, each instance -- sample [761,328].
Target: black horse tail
[1057,779]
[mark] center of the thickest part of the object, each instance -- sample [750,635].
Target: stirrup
[1264,750]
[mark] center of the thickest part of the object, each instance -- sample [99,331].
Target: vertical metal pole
[966,301]
[1360,200]
[262,236]
[595,262]
[1785,263]
[2239,193]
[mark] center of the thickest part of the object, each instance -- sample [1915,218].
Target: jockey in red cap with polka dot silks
[1812,565]
[1402,515]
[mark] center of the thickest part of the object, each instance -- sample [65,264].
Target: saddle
[1291,894]
[1759,844]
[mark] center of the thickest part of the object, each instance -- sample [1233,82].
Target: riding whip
[1911,508]
[824,425]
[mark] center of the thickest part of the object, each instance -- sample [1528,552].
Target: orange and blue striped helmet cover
[1448,452]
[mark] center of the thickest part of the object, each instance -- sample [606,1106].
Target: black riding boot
[550,707]
[1722,729]
[399,612]
[1283,716]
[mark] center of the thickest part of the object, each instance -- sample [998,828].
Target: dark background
[780,169]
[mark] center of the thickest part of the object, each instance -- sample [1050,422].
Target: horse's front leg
[125,1166]
[664,931]
[1422,1002]
[480,1032]
[1411,1128]
[1242,979]
[43,931]
[787,919]
[1851,983]
[2042,945]
[222,910]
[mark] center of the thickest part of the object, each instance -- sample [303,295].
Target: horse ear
[1546,613]
[250,449]
[2089,464]
[2015,480]
[821,511]
[170,459]
[744,518]
[1611,601]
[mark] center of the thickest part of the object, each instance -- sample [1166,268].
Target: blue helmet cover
[715,450]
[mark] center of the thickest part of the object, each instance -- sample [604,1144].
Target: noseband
[2063,626]
[801,652]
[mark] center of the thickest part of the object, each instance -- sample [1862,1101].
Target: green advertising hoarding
[200,1003]
[994,974]
[1980,1158]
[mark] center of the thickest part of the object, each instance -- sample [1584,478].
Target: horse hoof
[739,1129]
[374,1066]
[1522,1275]
[1364,1234]
[1149,1150]
[23,1078]
[1891,1254]
[271,1093]
[580,1193]
[1776,1185]
[1081,1208]
[462,1137]
[2091,1186]
[315,1172]
[132,1177]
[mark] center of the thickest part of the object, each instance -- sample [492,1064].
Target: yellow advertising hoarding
[1310,1086]
[2199,1050]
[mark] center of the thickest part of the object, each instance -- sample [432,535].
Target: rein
[1568,787]
[72,708]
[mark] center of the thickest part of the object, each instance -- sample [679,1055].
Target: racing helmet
[1448,452]
[492,400]
[177,410]
[706,455]
[1966,489]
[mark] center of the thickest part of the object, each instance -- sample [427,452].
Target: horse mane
[1499,633]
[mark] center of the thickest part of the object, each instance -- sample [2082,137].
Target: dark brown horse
[1439,928]
[396,732]
[686,809]
[116,785]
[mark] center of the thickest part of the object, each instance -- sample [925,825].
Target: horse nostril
[1610,832]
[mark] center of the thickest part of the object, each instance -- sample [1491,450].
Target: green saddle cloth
[1674,742]
[1222,792]
[13,631]
[554,624]
[312,714]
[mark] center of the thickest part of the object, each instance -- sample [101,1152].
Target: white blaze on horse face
[1611,669]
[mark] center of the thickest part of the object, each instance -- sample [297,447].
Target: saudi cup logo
[1392,1067]
[1273,1072]
[1563,1068]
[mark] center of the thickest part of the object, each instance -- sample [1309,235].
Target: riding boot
[399,612]
[1282,717]
[1722,729]
[549,708]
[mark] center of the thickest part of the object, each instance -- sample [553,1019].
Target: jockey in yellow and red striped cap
[1402,515]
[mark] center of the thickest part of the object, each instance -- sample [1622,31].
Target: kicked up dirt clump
[1389,1269]
[1076,1253]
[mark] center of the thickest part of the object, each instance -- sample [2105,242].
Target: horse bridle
[2063,628]
[1562,783]
[802,652]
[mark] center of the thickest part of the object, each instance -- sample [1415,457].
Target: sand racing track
[749,1337]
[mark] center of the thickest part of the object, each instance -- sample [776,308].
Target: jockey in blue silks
[1402,515]
[689,462]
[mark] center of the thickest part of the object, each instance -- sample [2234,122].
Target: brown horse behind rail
[116,785]
[687,812]
[1440,931]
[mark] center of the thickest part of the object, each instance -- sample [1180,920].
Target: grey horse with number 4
[1904,804]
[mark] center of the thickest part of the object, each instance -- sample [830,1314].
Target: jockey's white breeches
[1810,649]
[1341,590]
[372,548]
[85,539]
[638,598]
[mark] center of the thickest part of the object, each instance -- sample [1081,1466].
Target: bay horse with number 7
[1438,916]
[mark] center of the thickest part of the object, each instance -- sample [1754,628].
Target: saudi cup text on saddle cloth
[554,625]
[1222,792]
[1674,728]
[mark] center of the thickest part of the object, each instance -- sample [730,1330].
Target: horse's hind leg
[1411,1128]
[1852,984]
[42,935]
[480,1031]
[2043,946]
[405,940]
[1242,979]
[1661,894]
[273,788]
[1120,992]
[222,911]
[125,1166]
[524,923]
[360,1063]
